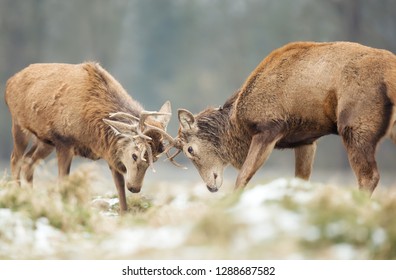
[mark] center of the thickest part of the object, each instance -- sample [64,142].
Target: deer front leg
[65,156]
[120,185]
[260,148]
[304,160]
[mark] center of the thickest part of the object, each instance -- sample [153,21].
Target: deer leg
[65,156]
[361,134]
[120,185]
[39,150]
[260,148]
[21,141]
[361,141]
[304,160]
[363,163]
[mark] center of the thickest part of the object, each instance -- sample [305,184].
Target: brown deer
[297,94]
[81,110]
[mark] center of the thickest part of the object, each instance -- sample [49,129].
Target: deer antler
[140,138]
[173,143]
[143,116]
[124,115]
[171,158]
[161,131]
[143,128]
[134,118]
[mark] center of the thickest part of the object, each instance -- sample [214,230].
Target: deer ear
[165,118]
[186,119]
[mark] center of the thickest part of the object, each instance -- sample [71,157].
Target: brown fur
[297,94]
[63,106]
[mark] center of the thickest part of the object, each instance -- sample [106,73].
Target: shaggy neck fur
[229,139]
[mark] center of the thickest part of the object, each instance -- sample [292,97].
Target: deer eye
[135,157]
[190,150]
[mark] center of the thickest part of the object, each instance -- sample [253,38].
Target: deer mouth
[134,189]
[212,189]
[214,184]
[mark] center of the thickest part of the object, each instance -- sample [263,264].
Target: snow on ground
[22,237]
[281,219]
[261,218]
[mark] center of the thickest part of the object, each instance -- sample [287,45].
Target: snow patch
[21,237]
[131,241]
[264,219]
[344,251]
[379,236]
[45,236]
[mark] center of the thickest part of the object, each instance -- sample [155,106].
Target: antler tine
[172,143]
[144,149]
[174,155]
[163,133]
[145,114]
[140,134]
[147,148]
[171,159]
[123,115]
[143,117]
[134,118]
[167,149]
[150,156]
[141,120]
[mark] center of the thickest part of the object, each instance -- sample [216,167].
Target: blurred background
[195,53]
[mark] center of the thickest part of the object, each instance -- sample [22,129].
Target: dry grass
[283,219]
[65,205]
[351,218]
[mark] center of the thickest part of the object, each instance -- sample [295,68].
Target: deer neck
[235,143]
[230,140]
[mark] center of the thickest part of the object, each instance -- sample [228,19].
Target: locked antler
[143,128]
[173,143]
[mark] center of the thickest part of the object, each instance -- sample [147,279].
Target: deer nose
[212,188]
[134,189]
[215,175]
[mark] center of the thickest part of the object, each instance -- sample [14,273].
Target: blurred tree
[195,53]
[21,37]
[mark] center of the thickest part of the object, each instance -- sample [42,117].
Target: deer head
[201,146]
[137,148]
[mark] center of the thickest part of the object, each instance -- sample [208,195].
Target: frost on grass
[282,219]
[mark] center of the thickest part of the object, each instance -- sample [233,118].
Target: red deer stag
[298,93]
[81,110]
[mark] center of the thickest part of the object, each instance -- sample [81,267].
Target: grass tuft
[284,218]
[66,205]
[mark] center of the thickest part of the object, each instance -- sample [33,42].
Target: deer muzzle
[212,188]
[133,188]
